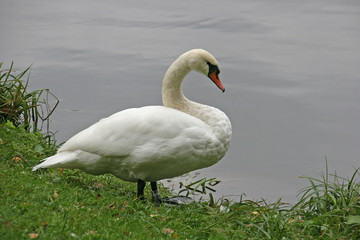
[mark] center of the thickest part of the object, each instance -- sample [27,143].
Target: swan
[151,143]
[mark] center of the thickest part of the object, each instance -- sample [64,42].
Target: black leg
[155,193]
[172,201]
[140,188]
[156,196]
[154,187]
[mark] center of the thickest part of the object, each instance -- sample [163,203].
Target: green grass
[50,204]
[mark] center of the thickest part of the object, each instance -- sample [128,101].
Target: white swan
[155,142]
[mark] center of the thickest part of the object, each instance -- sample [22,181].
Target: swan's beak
[215,78]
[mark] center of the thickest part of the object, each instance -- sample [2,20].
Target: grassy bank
[69,204]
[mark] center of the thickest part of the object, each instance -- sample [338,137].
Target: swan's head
[205,63]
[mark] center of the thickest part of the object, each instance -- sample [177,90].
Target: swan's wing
[152,129]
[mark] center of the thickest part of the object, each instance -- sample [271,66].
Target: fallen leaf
[98,185]
[56,194]
[8,224]
[323,231]
[112,205]
[44,224]
[33,235]
[175,235]
[167,230]
[16,159]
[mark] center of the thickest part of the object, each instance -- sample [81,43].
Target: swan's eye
[213,68]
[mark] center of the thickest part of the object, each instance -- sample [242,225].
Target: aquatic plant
[21,106]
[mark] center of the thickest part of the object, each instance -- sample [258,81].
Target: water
[290,69]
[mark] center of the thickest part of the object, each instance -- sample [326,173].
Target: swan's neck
[172,95]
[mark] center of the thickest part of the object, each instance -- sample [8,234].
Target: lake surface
[291,70]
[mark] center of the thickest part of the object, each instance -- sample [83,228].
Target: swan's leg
[140,187]
[156,196]
[172,201]
[155,193]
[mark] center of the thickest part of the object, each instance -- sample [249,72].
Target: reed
[331,192]
[330,205]
[21,106]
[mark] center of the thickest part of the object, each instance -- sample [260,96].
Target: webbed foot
[177,200]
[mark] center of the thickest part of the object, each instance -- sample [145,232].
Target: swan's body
[155,142]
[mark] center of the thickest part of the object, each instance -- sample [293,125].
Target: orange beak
[215,78]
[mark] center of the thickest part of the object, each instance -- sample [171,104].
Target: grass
[70,204]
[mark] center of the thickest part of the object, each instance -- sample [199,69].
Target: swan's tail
[60,160]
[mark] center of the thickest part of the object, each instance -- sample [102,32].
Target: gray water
[291,70]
